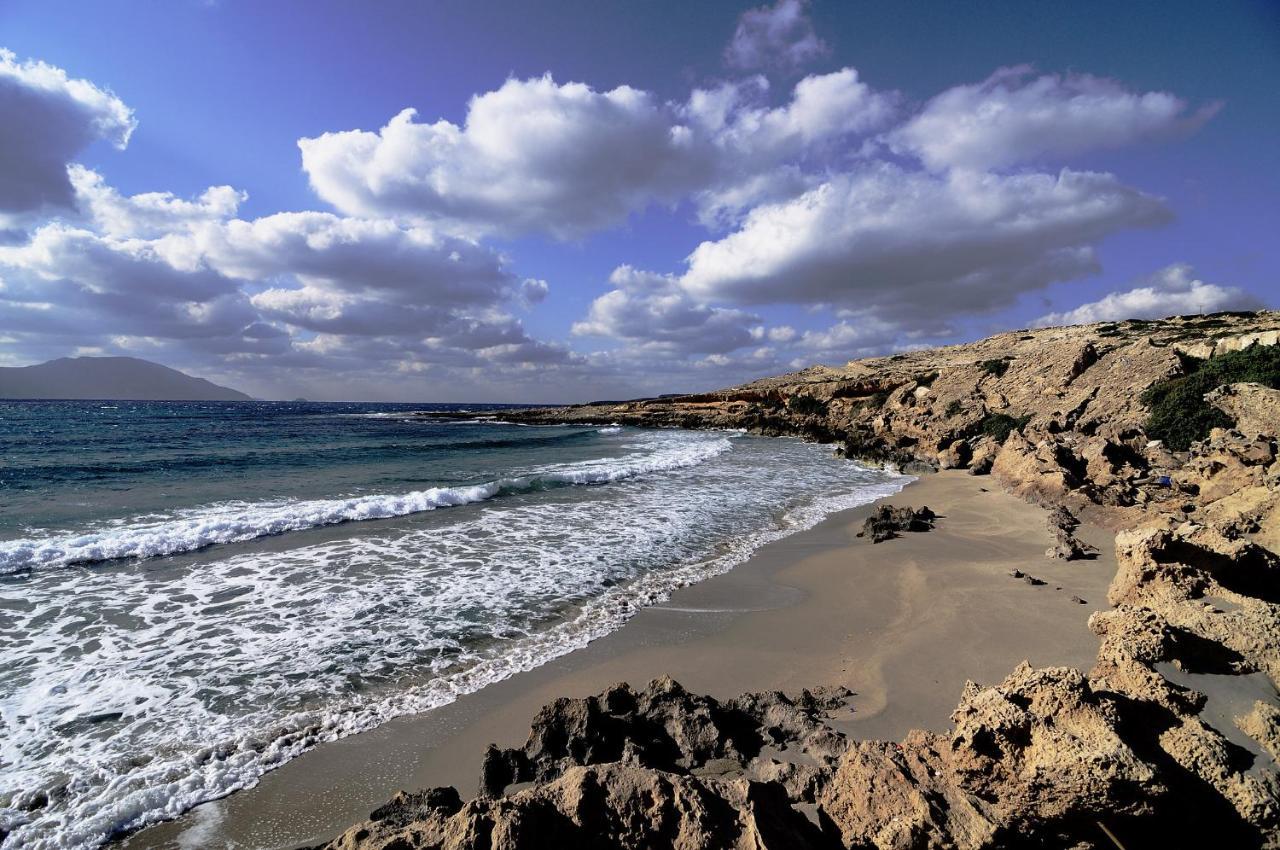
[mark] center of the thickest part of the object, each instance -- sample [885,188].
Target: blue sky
[683,219]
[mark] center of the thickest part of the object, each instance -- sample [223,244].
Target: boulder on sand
[887,521]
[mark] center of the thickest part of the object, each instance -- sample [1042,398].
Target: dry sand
[903,624]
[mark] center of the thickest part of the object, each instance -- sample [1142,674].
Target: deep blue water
[63,463]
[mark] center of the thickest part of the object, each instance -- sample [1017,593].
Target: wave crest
[236,522]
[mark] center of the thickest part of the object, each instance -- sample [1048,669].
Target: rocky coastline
[1160,744]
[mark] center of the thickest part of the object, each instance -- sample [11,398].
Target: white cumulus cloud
[1171,291]
[149,213]
[1015,117]
[651,311]
[169,276]
[914,244]
[565,159]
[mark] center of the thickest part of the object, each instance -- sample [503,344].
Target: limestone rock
[1044,472]
[955,456]
[1255,408]
[1208,755]
[1263,725]
[984,455]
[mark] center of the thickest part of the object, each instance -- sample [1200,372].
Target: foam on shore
[236,522]
[137,692]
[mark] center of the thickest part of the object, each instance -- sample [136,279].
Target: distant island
[113,378]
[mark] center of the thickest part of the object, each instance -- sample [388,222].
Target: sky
[564,201]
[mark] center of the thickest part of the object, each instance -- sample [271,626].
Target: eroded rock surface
[1037,755]
[1067,547]
[1255,408]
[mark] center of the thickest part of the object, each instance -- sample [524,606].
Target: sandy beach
[903,624]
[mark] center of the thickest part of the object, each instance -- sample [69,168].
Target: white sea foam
[235,522]
[142,693]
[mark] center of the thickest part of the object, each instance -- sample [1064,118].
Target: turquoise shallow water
[193,593]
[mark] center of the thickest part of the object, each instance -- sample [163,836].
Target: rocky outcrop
[1036,756]
[1055,415]
[1128,754]
[1205,606]
[662,727]
[1263,725]
[1067,547]
[1255,408]
[887,521]
[1222,342]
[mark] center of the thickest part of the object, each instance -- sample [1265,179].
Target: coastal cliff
[1163,431]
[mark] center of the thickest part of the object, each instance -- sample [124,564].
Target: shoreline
[903,624]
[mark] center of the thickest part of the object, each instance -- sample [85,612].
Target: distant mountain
[109,378]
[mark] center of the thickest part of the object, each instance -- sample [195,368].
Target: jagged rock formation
[1067,547]
[1036,755]
[886,521]
[1126,754]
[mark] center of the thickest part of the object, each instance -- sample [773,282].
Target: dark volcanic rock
[887,521]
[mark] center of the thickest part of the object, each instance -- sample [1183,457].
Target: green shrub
[995,367]
[806,405]
[954,408]
[999,426]
[1180,415]
[927,379]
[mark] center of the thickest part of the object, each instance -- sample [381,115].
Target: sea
[193,593]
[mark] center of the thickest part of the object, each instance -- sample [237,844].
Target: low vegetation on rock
[995,367]
[998,426]
[1180,415]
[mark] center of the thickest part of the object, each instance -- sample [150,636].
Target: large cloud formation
[188,281]
[540,156]
[158,273]
[884,236]
[46,119]
[652,311]
[900,249]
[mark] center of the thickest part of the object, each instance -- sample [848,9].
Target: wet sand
[903,624]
